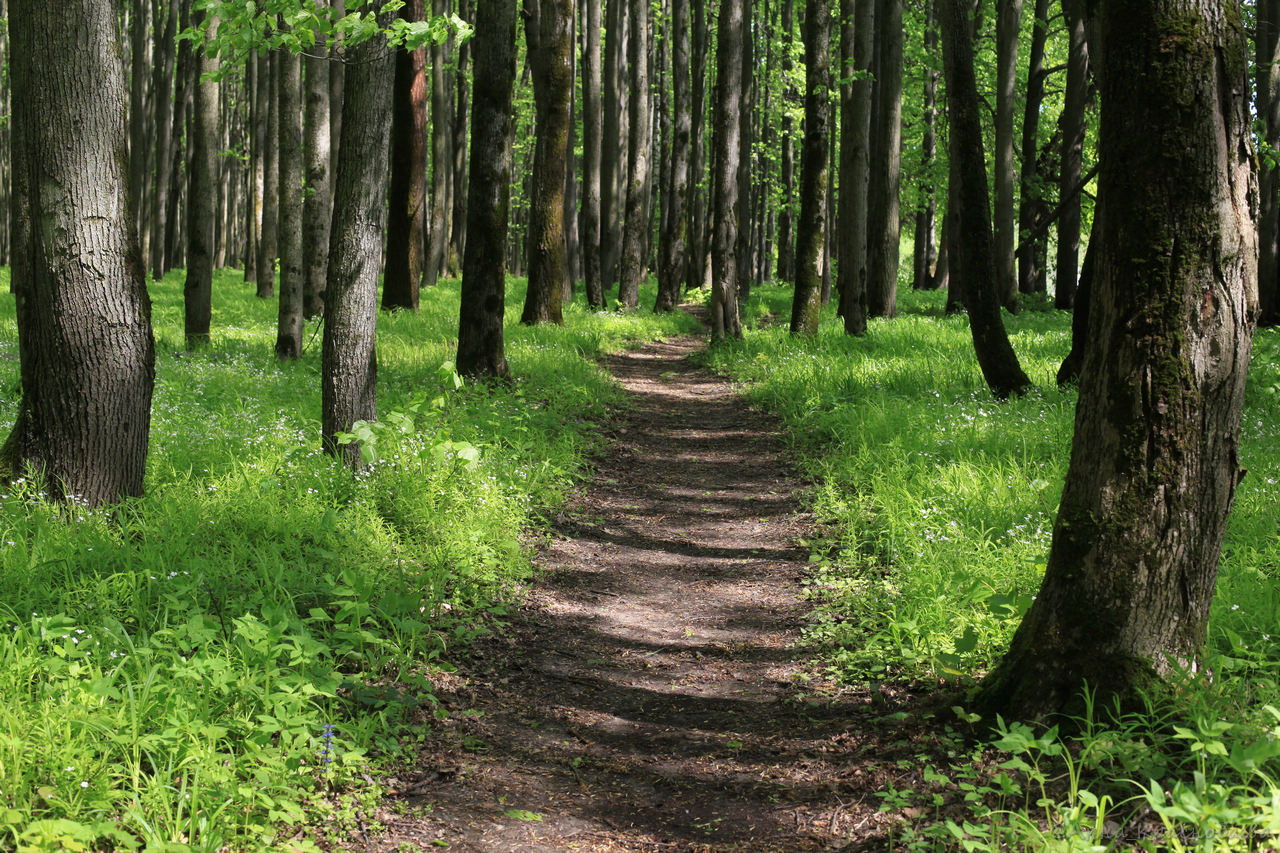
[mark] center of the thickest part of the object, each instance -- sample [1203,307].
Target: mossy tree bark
[548,28]
[806,302]
[407,194]
[976,250]
[85,347]
[725,321]
[197,290]
[480,343]
[1154,464]
[349,368]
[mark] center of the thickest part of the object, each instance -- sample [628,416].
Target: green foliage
[239,651]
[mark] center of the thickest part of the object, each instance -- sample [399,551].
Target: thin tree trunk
[924,247]
[786,240]
[635,245]
[177,172]
[318,206]
[1267,42]
[1154,461]
[612,152]
[592,126]
[856,181]
[407,215]
[1008,26]
[292,278]
[441,163]
[1073,125]
[1031,204]
[725,322]
[349,369]
[996,357]
[84,329]
[137,108]
[548,29]
[197,292]
[697,273]
[458,231]
[674,261]
[480,344]
[163,89]
[267,244]
[806,304]
[572,248]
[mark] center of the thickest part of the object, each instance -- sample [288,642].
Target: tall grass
[936,505]
[227,656]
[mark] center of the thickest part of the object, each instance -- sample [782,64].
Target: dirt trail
[647,698]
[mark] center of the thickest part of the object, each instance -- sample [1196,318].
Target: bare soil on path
[648,695]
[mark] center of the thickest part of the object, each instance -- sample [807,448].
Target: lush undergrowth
[228,655]
[937,504]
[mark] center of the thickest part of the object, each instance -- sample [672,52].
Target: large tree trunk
[1008,26]
[883,230]
[996,357]
[1073,124]
[407,215]
[548,28]
[855,164]
[480,345]
[592,127]
[292,278]
[725,322]
[1031,205]
[84,321]
[318,206]
[1267,41]
[349,368]
[674,262]
[1154,463]
[268,97]
[635,237]
[806,304]
[162,86]
[197,292]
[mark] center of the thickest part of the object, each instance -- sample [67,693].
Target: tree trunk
[197,292]
[268,239]
[806,305]
[177,174]
[855,163]
[1008,26]
[697,273]
[548,28]
[1031,204]
[1268,86]
[635,238]
[786,239]
[292,278]
[977,259]
[137,108]
[163,92]
[407,214]
[318,206]
[674,262]
[612,151]
[746,109]
[592,127]
[337,86]
[1073,124]
[924,248]
[572,248]
[883,229]
[441,164]
[480,346]
[458,230]
[725,322]
[85,348]
[1154,464]
[349,368]
[1069,370]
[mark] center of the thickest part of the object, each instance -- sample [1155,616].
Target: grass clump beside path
[230,655]
[937,503]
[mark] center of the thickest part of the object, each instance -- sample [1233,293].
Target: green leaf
[521,814]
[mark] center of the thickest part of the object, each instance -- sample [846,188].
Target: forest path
[647,697]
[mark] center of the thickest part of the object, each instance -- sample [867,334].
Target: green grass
[936,505]
[229,655]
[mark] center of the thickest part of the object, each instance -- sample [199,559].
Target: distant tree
[318,205]
[855,162]
[1072,122]
[725,322]
[884,223]
[1031,204]
[1267,63]
[614,141]
[787,159]
[1008,27]
[407,216]
[197,291]
[437,224]
[592,128]
[269,102]
[548,31]
[162,86]
[84,320]
[1154,465]
[674,262]
[975,251]
[636,231]
[348,380]
[480,342]
[811,233]
[462,91]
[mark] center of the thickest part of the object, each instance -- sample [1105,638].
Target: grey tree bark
[437,223]
[725,321]
[317,208]
[1154,461]
[674,261]
[162,86]
[1072,162]
[1008,26]
[292,278]
[592,127]
[1031,205]
[85,347]
[635,236]
[811,257]
[268,97]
